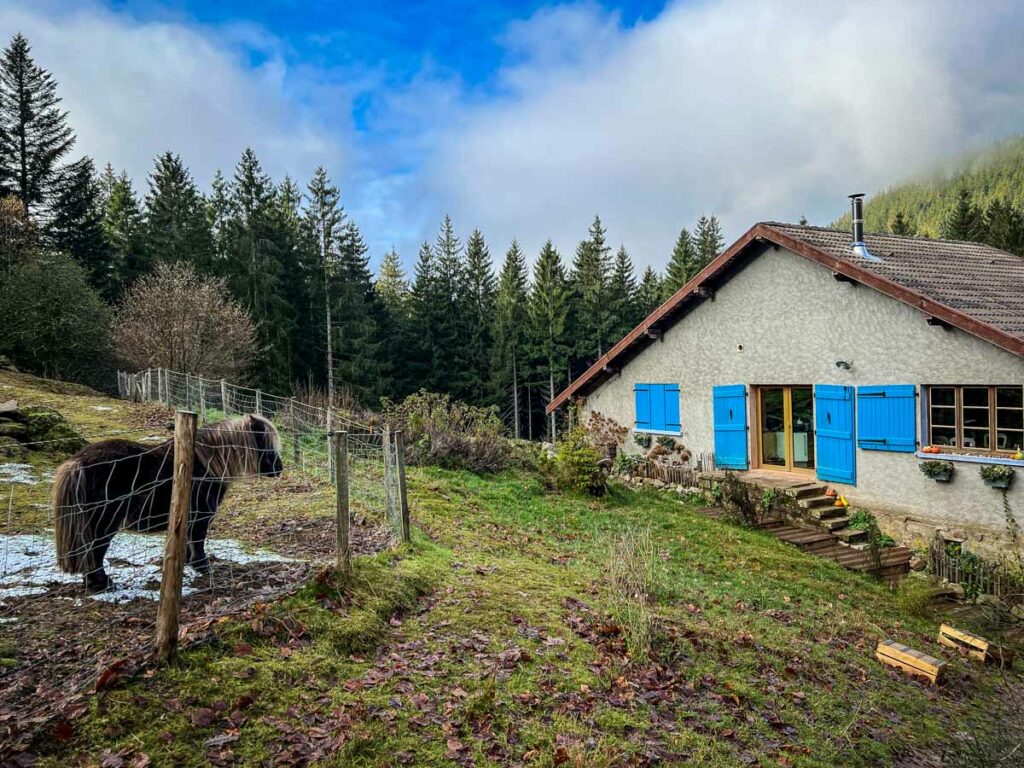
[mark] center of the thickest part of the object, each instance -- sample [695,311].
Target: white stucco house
[839,356]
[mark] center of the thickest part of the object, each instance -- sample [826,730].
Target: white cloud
[763,109]
[135,89]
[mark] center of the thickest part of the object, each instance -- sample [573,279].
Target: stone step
[851,535]
[814,502]
[825,513]
[804,490]
[833,523]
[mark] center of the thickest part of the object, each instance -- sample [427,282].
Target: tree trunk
[330,333]
[529,413]
[515,394]
[551,399]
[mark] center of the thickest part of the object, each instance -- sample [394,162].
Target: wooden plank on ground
[977,647]
[910,661]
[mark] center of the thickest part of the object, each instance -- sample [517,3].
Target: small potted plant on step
[997,475]
[937,470]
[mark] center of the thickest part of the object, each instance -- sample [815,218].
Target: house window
[976,418]
[657,408]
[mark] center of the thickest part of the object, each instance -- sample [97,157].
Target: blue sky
[526,119]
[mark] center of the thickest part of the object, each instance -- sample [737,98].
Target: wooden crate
[910,661]
[977,647]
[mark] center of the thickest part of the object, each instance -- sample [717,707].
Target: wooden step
[913,662]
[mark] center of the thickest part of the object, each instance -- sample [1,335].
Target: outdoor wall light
[844,365]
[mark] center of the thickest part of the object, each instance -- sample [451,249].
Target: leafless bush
[634,573]
[177,319]
[445,432]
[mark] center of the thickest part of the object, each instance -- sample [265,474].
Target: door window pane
[773,427]
[803,427]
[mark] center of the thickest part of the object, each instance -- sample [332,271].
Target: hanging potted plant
[997,475]
[937,470]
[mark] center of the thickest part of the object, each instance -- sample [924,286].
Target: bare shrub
[177,319]
[634,574]
[448,433]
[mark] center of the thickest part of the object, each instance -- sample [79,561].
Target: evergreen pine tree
[623,296]
[254,268]
[177,228]
[964,221]
[590,277]
[480,289]
[122,225]
[76,228]
[357,317]
[301,274]
[649,293]
[548,311]
[325,218]
[391,285]
[34,135]
[510,312]
[423,360]
[683,264]
[708,238]
[218,209]
[454,368]
[803,220]
[1003,227]
[900,225]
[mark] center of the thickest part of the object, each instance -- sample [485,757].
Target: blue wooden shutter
[833,426]
[672,422]
[657,407]
[642,398]
[886,418]
[730,419]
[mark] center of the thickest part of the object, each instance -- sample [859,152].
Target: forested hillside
[77,235]
[979,196]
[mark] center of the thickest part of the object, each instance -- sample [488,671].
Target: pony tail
[69,518]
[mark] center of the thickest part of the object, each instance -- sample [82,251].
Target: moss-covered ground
[488,642]
[496,639]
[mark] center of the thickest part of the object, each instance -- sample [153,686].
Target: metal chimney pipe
[859,247]
[857,201]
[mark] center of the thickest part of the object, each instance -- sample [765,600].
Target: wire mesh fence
[82,543]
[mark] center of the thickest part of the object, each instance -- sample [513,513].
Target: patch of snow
[101,408]
[18,474]
[28,565]
[153,439]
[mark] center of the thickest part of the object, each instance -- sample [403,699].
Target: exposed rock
[11,448]
[1018,612]
[989,600]
[918,563]
[957,590]
[548,448]
[6,364]
[41,429]
[9,409]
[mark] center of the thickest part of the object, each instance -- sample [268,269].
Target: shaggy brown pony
[119,483]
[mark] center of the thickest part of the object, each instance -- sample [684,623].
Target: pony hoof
[95,583]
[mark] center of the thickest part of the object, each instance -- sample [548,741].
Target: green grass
[479,661]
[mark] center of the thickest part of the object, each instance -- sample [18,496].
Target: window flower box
[997,475]
[938,470]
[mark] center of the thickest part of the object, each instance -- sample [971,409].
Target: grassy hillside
[510,633]
[994,173]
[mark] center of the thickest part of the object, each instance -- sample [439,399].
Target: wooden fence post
[174,546]
[259,403]
[224,397]
[160,385]
[386,443]
[202,401]
[296,435]
[402,492]
[340,440]
[188,392]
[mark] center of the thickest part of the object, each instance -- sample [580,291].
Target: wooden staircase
[824,528]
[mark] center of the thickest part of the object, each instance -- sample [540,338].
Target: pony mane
[233,448]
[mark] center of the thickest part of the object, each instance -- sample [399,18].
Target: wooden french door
[785,418]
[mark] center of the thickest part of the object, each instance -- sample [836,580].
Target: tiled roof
[976,279]
[973,287]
